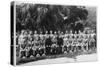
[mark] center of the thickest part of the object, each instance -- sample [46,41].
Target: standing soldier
[89,38]
[51,34]
[94,37]
[55,34]
[46,35]
[80,40]
[30,39]
[54,43]
[84,40]
[70,39]
[41,49]
[48,43]
[36,42]
[65,44]
[75,40]
[92,40]
[17,45]
[70,34]
[23,42]
[29,45]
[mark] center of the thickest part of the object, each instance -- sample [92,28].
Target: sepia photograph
[54,34]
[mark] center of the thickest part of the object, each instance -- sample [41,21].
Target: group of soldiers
[36,44]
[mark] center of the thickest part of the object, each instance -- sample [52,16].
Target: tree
[49,17]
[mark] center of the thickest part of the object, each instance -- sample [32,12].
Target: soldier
[75,35]
[89,38]
[75,40]
[48,44]
[66,34]
[54,38]
[84,41]
[41,39]
[65,44]
[36,42]
[51,34]
[17,45]
[71,34]
[82,46]
[71,40]
[73,44]
[85,44]
[59,41]
[30,52]
[30,39]
[35,34]
[92,40]
[46,35]
[59,33]
[55,34]
[70,48]
[62,34]
[23,42]
[42,42]
[54,49]
[30,45]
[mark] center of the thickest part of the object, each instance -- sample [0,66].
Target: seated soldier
[29,52]
[34,50]
[70,46]
[82,46]
[85,45]
[73,46]
[54,49]
[65,45]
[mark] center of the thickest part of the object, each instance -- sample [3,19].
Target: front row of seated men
[34,45]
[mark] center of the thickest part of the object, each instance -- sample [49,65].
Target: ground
[80,58]
[63,58]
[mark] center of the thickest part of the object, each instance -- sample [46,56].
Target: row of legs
[54,50]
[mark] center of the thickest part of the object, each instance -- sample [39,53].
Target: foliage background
[42,17]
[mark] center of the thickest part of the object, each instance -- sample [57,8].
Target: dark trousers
[48,50]
[23,54]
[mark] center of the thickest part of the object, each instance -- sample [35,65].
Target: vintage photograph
[52,33]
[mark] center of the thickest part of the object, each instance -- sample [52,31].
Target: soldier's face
[75,32]
[35,32]
[30,32]
[40,32]
[22,32]
[55,33]
[46,32]
[66,31]
[25,33]
[70,31]
[51,32]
